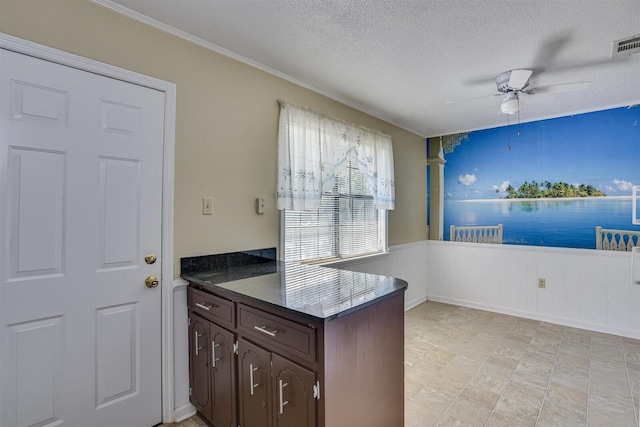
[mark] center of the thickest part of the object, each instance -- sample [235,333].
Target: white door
[80,207]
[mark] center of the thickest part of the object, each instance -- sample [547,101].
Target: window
[335,184]
[347,224]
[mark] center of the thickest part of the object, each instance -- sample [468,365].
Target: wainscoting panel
[406,262]
[584,288]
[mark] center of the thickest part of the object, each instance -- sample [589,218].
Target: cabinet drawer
[277,332]
[211,307]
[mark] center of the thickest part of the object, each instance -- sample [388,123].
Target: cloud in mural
[623,185]
[466,179]
[502,187]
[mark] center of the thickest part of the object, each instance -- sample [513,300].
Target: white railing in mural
[479,234]
[616,240]
[635,200]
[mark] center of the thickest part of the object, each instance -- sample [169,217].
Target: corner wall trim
[183,412]
[179,284]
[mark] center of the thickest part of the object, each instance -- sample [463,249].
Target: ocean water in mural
[544,222]
[558,181]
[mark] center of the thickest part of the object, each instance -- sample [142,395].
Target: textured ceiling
[424,65]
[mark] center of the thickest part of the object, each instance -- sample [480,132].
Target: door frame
[50,54]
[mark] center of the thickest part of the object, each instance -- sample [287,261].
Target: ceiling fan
[513,83]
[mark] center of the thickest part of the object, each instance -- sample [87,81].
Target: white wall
[407,262]
[584,288]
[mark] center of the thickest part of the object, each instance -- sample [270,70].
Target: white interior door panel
[80,207]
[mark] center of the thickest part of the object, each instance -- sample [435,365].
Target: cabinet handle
[204,306]
[281,386]
[264,330]
[213,353]
[252,384]
[196,336]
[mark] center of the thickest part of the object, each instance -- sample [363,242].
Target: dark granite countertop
[318,293]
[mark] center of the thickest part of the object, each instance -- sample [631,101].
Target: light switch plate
[260,205]
[207,206]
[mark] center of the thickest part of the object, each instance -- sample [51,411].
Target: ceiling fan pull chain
[518,116]
[508,131]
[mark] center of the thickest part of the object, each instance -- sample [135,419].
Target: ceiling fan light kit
[511,104]
[516,82]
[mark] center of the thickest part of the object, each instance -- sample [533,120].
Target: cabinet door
[199,376]
[294,404]
[223,382]
[254,377]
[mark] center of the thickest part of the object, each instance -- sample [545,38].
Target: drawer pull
[204,306]
[282,402]
[197,347]
[214,359]
[252,383]
[264,330]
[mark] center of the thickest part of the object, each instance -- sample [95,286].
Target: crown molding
[226,52]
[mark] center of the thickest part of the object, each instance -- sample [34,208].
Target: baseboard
[541,317]
[408,305]
[183,412]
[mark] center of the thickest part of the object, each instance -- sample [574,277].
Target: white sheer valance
[313,148]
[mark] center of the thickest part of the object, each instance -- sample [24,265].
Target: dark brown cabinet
[223,377]
[255,365]
[254,376]
[274,391]
[293,394]
[212,371]
[199,375]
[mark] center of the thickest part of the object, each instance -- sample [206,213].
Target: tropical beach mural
[550,182]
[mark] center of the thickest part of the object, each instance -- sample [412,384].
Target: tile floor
[194,421]
[466,367]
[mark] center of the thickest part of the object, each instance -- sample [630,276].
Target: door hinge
[316,390]
[190,391]
[189,321]
[235,350]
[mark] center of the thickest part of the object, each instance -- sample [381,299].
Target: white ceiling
[405,60]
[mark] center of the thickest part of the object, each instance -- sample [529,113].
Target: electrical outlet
[542,283]
[207,206]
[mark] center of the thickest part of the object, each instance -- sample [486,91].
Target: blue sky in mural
[601,149]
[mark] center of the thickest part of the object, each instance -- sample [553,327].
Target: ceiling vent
[626,46]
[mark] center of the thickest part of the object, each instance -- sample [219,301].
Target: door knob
[150,258]
[151,281]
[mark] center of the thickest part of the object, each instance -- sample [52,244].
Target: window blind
[347,223]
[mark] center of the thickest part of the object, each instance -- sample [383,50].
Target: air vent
[626,46]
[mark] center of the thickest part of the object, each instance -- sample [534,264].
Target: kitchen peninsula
[288,344]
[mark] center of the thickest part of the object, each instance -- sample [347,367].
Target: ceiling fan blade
[519,79]
[566,87]
[548,51]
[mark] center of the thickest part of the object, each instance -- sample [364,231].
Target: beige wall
[226,124]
